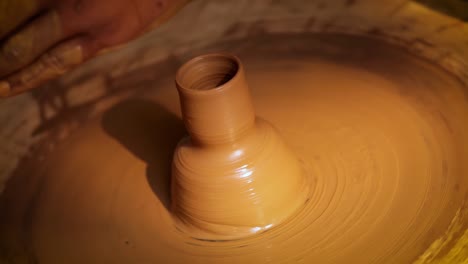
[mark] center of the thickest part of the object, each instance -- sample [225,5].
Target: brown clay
[234,175]
[381,135]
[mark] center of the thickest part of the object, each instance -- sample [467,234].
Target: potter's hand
[42,39]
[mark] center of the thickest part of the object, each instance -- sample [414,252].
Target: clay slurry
[382,140]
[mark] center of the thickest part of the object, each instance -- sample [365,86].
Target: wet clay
[234,176]
[381,137]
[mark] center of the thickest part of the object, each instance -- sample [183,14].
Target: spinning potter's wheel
[379,133]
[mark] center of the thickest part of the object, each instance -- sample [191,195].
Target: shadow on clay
[151,133]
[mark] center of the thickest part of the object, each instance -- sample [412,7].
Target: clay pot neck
[215,99]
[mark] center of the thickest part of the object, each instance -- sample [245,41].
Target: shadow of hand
[151,133]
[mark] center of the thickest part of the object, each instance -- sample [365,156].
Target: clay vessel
[234,175]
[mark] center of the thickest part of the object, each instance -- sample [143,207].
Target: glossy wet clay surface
[382,137]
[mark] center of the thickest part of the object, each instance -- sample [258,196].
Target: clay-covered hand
[42,39]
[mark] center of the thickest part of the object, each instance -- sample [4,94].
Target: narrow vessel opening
[208,72]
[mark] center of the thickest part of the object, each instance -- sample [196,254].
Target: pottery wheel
[382,134]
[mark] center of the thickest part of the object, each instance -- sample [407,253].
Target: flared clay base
[381,135]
